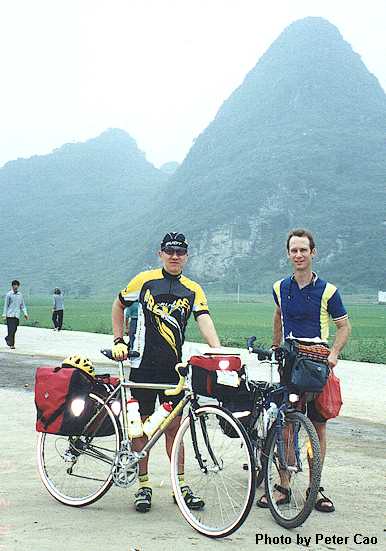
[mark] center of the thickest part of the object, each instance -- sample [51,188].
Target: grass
[234,321]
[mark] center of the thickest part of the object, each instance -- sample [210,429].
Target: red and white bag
[215,376]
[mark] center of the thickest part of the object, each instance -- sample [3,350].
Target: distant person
[57,309]
[166,301]
[131,318]
[13,304]
[304,305]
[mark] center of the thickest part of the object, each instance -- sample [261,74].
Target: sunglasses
[171,252]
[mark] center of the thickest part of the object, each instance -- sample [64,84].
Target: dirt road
[30,520]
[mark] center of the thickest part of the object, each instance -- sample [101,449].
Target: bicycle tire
[225,489]
[302,455]
[261,470]
[77,470]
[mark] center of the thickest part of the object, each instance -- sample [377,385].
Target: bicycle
[78,470]
[285,445]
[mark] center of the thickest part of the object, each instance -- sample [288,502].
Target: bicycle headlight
[77,406]
[293,398]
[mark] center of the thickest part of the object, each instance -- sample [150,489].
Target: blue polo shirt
[305,312]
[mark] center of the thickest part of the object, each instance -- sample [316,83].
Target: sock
[144,481]
[181,479]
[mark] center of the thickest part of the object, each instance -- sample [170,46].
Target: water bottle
[134,419]
[153,422]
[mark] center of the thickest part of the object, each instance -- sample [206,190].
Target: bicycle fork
[290,442]
[203,463]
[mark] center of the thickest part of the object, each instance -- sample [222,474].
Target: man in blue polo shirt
[304,304]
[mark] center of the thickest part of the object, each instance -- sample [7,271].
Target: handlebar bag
[305,368]
[215,376]
[216,362]
[308,375]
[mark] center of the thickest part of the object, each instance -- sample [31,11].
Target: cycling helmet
[80,362]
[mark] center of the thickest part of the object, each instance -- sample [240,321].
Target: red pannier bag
[329,401]
[56,388]
[205,369]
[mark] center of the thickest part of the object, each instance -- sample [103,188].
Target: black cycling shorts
[147,397]
[313,414]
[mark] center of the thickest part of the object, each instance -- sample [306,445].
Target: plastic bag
[329,401]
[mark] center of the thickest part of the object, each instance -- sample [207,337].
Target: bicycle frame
[121,390]
[278,422]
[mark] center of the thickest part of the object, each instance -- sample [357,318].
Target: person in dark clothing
[166,299]
[57,309]
[13,304]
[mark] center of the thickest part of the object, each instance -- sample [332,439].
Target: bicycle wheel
[297,467]
[77,470]
[213,469]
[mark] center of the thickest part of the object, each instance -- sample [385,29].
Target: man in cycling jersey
[166,299]
[304,304]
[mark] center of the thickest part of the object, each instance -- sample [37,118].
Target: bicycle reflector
[310,453]
[77,406]
[116,407]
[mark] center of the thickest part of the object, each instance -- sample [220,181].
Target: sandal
[281,501]
[324,504]
[262,504]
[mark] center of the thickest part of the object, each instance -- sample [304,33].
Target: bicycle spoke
[77,470]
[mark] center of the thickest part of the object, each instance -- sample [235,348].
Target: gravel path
[30,520]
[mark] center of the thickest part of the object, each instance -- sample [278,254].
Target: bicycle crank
[125,468]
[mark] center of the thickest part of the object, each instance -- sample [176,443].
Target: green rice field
[234,321]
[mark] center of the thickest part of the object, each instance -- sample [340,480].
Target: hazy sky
[159,69]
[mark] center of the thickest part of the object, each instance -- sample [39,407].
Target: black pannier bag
[55,390]
[103,387]
[240,404]
[219,376]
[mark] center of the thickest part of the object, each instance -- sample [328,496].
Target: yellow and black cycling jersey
[165,303]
